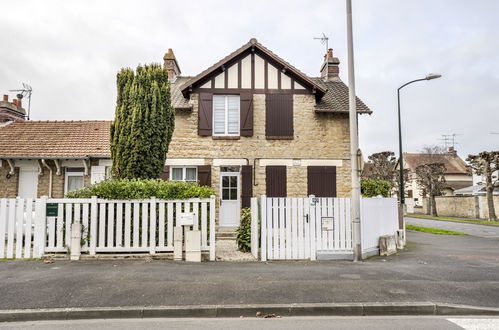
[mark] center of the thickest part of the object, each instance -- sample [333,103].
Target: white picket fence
[303,228]
[108,226]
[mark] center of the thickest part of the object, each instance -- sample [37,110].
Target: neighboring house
[457,172]
[253,124]
[50,158]
[476,190]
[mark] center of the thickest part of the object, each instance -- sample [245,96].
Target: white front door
[28,183]
[230,206]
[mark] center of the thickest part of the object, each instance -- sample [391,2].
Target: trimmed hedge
[143,189]
[244,231]
[373,188]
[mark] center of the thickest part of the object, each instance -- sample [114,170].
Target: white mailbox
[186,219]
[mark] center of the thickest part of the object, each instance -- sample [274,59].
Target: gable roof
[336,99]
[55,139]
[252,43]
[453,163]
[179,102]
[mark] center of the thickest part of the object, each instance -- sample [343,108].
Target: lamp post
[401,157]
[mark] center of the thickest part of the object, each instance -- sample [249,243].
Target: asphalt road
[468,228]
[435,268]
[347,323]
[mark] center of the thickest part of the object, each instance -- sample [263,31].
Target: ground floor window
[184,173]
[74,179]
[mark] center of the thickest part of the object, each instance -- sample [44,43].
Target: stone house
[50,158]
[253,124]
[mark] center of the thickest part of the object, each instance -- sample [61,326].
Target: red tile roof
[55,139]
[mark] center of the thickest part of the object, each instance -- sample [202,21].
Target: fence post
[263,228]
[40,227]
[312,233]
[212,228]
[152,227]
[254,227]
[93,225]
[75,247]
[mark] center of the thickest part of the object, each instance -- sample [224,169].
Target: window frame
[67,174]
[184,173]
[226,114]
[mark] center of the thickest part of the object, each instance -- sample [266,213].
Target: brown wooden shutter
[321,181]
[279,116]
[275,181]
[205,114]
[166,173]
[247,185]
[246,113]
[204,175]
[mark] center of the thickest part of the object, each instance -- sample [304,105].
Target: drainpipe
[11,164]
[50,177]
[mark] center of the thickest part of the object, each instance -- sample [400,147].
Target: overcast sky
[70,52]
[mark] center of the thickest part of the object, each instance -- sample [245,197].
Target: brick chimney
[452,151]
[330,69]
[11,111]
[171,65]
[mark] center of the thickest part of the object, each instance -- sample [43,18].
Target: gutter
[50,177]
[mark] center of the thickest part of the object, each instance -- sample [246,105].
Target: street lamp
[401,157]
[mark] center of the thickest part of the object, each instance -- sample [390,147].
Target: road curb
[455,221]
[213,311]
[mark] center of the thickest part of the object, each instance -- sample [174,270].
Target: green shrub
[143,189]
[373,188]
[244,231]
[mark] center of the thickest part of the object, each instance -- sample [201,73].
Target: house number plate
[327,223]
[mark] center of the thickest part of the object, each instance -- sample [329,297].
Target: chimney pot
[6,98]
[19,103]
[14,101]
[330,53]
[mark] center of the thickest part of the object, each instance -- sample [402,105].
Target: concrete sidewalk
[434,268]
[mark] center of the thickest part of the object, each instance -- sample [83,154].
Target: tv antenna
[449,140]
[324,40]
[21,93]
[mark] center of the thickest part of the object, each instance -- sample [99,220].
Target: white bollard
[193,245]
[178,243]
[75,241]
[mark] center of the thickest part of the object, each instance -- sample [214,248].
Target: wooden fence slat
[274,209]
[336,220]
[300,228]
[282,224]
[204,238]
[330,214]
[136,220]
[145,220]
[294,229]
[263,228]
[342,224]
[110,224]
[161,224]
[84,221]
[178,210]
[11,223]
[3,225]
[60,226]
[312,230]
[19,228]
[102,225]
[119,224]
[68,220]
[152,227]
[325,233]
[94,216]
[307,219]
[318,226]
[212,229]
[29,222]
[169,225]
[195,210]
[348,229]
[287,222]
[128,223]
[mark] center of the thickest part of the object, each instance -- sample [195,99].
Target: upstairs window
[226,115]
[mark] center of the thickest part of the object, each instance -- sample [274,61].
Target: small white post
[193,246]
[263,204]
[75,241]
[212,228]
[40,227]
[93,225]
[254,227]
[178,242]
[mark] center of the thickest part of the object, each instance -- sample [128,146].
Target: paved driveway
[468,228]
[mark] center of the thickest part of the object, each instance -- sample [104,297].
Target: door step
[225,235]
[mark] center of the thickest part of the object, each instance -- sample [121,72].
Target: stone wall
[316,136]
[461,206]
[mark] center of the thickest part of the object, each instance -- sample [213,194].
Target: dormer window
[226,115]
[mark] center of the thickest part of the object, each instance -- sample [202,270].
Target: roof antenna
[324,40]
[25,91]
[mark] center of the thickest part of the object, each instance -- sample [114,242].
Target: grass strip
[485,222]
[434,230]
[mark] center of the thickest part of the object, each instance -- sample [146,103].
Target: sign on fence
[51,210]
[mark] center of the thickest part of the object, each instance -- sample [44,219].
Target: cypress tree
[144,123]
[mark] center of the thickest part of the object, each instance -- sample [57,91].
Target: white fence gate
[28,229]
[305,228]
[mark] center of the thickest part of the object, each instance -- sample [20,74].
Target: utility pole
[354,142]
